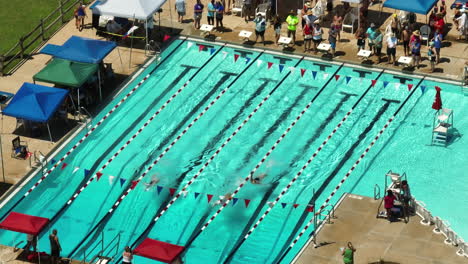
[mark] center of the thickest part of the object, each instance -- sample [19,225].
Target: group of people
[215,12]
[403,196]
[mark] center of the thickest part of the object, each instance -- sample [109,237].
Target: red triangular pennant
[246,201]
[98,174]
[270,64]
[302,72]
[166,38]
[337,77]
[410,86]
[295,205]
[374,82]
[310,209]
[171,191]
[236,56]
[64,165]
[200,47]
[134,184]
[209,197]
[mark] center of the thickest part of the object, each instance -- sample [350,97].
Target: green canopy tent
[68,73]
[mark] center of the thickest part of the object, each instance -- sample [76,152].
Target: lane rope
[308,162]
[98,174]
[97,125]
[251,173]
[350,171]
[220,148]
[175,140]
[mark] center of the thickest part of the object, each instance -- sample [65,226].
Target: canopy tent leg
[120,57]
[73,103]
[131,45]
[50,134]
[1,151]
[79,108]
[99,84]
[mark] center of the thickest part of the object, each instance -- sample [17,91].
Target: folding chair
[425,33]
[237,7]
[19,147]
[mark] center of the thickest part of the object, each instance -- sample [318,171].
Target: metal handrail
[376,192]
[328,216]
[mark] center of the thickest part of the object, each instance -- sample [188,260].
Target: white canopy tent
[131,9]
[137,9]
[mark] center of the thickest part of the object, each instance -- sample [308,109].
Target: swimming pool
[205,116]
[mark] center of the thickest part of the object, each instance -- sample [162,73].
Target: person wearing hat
[371,35]
[317,33]
[305,12]
[292,22]
[415,47]
[395,24]
[80,14]
[391,48]
[260,26]
[309,18]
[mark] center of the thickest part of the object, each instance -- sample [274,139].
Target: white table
[324,47]
[284,40]
[245,34]
[206,28]
[405,60]
[364,54]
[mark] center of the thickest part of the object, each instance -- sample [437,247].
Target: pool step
[103,260]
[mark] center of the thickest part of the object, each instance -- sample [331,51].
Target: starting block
[364,54]
[405,60]
[206,28]
[285,41]
[245,34]
[324,47]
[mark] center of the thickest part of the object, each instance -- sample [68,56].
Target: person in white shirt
[392,42]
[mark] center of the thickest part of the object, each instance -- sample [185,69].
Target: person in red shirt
[389,200]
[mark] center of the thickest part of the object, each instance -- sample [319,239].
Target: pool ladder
[104,255]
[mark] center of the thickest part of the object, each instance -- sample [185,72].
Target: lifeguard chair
[443,121]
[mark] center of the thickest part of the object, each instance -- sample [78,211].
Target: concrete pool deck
[376,238]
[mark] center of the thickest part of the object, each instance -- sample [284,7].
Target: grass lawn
[19,17]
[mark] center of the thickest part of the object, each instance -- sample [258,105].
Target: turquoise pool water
[404,147]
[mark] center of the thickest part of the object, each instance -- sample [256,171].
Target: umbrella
[437,105]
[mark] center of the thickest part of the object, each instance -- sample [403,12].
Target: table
[364,54]
[245,34]
[324,47]
[284,40]
[206,28]
[405,60]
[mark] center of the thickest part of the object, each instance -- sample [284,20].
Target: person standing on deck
[211,12]
[198,13]
[180,8]
[292,22]
[54,247]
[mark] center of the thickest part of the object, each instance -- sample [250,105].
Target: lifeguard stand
[443,120]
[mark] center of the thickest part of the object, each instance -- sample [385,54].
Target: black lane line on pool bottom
[165,141]
[126,133]
[226,76]
[349,172]
[319,131]
[254,149]
[345,158]
[252,219]
[150,73]
[221,134]
[187,69]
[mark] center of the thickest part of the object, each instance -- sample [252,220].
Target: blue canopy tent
[415,6]
[81,49]
[36,103]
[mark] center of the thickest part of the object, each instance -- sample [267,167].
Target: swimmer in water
[223,199]
[154,181]
[258,179]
